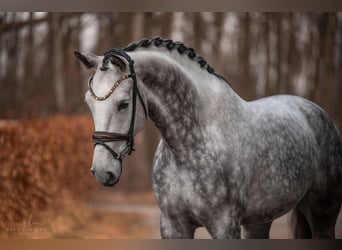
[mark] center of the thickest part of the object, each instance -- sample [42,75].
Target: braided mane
[171,45]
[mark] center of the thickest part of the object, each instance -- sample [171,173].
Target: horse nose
[111,179]
[106,178]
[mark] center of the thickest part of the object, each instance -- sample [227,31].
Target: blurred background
[46,188]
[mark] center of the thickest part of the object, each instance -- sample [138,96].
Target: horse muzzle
[106,177]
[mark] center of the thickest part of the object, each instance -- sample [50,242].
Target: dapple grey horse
[222,163]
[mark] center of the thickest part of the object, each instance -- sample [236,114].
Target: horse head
[118,111]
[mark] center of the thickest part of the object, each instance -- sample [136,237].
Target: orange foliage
[42,163]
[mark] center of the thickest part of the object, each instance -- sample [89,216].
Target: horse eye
[123,105]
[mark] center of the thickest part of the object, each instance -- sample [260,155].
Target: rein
[102,137]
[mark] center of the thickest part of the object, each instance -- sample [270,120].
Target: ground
[106,214]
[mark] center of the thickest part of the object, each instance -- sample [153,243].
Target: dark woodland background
[260,54]
[45,126]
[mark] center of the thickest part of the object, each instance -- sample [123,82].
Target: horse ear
[116,60]
[89,60]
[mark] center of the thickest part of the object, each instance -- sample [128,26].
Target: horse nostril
[93,172]
[111,177]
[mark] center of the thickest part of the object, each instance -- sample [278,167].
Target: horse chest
[187,192]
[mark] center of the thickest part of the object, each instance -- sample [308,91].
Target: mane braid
[171,45]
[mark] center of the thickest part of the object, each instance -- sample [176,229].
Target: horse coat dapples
[222,163]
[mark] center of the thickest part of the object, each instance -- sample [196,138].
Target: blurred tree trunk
[11,71]
[166,24]
[148,24]
[57,60]
[244,53]
[72,68]
[2,51]
[67,40]
[273,53]
[108,31]
[279,20]
[329,61]
[188,30]
[199,28]
[322,24]
[26,89]
[291,57]
[2,20]
[337,90]
[47,99]
[138,26]
[124,34]
[102,43]
[219,29]
[284,45]
[29,43]
[268,54]
[110,35]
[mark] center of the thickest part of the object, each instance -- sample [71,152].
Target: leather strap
[109,137]
[101,137]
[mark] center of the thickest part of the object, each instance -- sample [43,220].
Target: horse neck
[183,100]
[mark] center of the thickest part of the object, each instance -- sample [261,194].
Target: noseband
[102,137]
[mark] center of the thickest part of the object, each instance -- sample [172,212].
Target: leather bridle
[102,137]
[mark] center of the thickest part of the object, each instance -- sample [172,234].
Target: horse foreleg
[224,226]
[256,231]
[175,228]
